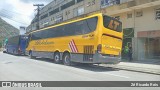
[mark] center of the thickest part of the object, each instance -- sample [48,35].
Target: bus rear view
[111,40]
[16,45]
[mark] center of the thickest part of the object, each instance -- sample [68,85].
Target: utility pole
[38,14]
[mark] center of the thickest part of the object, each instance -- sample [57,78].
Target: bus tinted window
[90,25]
[112,23]
[50,32]
[36,35]
[59,31]
[79,28]
[44,34]
[13,40]
[76,28]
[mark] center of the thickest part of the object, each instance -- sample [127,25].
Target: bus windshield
[112,23]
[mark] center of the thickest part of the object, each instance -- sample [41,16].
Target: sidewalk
[152,67]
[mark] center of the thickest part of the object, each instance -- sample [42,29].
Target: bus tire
[67,59]
[57,58]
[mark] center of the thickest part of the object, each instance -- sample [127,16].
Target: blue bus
[16,45]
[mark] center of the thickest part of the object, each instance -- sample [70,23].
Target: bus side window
[59,31]
[79,28]
[70,29]
[90,25]
[36,35]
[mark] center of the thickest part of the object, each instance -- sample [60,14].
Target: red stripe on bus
[75,46]
[71,47]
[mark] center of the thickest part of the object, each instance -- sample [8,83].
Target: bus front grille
[88,53]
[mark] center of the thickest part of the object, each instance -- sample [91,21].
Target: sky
[19,12]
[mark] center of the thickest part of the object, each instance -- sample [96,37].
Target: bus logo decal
[73,46]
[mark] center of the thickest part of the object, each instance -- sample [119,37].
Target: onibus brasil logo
[20,84]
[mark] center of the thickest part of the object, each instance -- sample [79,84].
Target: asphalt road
[22,68]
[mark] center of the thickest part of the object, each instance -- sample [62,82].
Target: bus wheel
[4,52]
[67,59]
[57,58]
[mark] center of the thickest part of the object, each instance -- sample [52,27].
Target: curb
[135,69]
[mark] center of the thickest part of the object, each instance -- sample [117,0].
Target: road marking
[114,75]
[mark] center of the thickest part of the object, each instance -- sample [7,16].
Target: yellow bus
[93,39]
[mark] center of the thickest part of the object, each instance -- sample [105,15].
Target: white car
[4,49]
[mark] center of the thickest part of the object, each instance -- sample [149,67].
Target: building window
[157,14]
[44,16]
[59,18]
[52,19]
[129,15]
[67,12]
[79,1]
[49,8]
[67,5]
[54,11]
[139,13]
[105,3]
[78,11]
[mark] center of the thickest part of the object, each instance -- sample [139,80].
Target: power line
[15,20]
[9,17]
[8,11]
